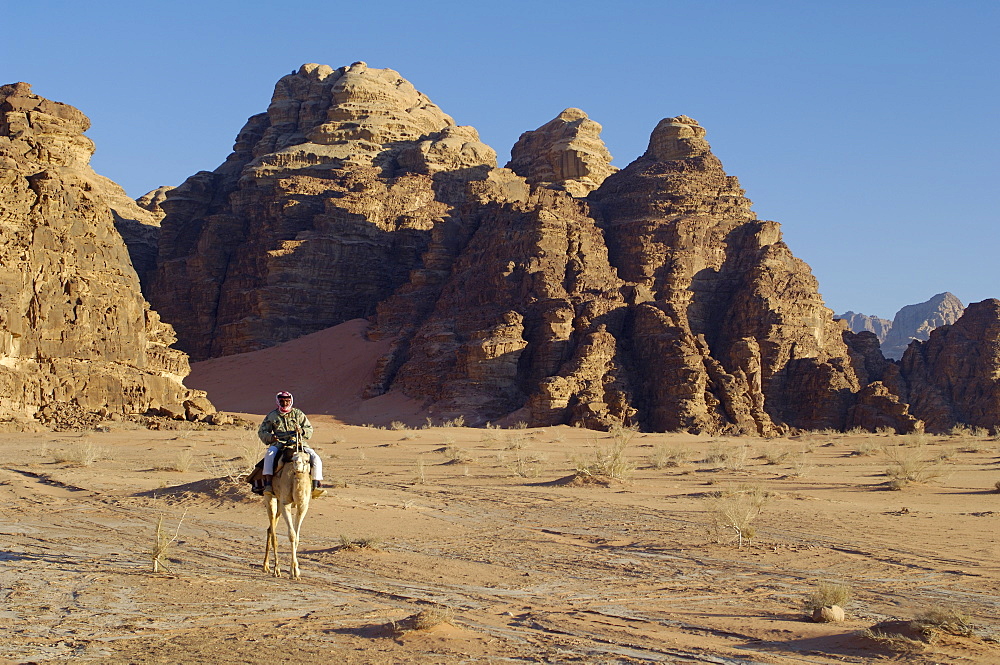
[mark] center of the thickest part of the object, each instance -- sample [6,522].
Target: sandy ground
[485,533]
[478,525]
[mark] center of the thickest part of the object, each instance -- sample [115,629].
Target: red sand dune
[326,371]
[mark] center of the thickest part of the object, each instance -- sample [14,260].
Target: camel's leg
[272,536]
[293,538]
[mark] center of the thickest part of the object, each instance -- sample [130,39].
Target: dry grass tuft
[371,543]
[232,470]
[910,466]
[664,457]
[868,447]
[943,620]
[457,455]
[183,461]
[162,542]
[736,508]
[423,620]
[828,594]
[609,461]
[82,453]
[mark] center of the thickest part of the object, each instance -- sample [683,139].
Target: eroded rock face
[510,294]
[915,322]
[326,204]
[729,328]
[953,376]
[566,153]
[74,327]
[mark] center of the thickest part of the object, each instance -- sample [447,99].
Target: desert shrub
[515,441]
[799,465]
[520,424]
[775,455]
[223,468]
[867,447]
[250,451]
[736,509]
[82,453]
[457,454]
[996,487]
[668,456]
[960,430]
[423,620]
[892,641]
[910,465]
[528,465]
[162,542]
[457,421]
[183,460]
[610,461]
[369,543]
[885,431]
[915,439]
[716,454]
[944,620]
[731,458]
[420,477]
[623,434]
[828,594]
[397,425]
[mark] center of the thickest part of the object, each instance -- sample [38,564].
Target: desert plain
[440,543]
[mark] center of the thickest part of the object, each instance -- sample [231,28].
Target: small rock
[828,614]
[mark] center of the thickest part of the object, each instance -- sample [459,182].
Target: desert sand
[495,538]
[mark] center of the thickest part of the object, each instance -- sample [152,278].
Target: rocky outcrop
[728,327]
[915,322]
[327,203]
[657,298]
[566,153]
[75,331]
[866,323]
[152,202]
[952,377]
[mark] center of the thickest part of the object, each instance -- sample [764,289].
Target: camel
[292,486]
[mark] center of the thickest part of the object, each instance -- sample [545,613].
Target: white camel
[291,487]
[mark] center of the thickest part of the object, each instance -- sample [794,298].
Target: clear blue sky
[869,129]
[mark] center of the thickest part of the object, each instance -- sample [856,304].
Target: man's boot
[318,490]
[267,485]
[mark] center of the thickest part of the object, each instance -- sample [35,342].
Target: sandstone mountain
[952,378]
[915,322]
[866,322]
[75,331]
[328,202]
[555,290]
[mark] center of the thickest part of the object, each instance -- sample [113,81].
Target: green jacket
[284,426]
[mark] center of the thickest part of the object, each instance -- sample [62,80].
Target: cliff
[75,332]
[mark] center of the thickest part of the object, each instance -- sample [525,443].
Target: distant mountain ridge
[912,322]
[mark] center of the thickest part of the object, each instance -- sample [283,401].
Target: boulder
[828,614]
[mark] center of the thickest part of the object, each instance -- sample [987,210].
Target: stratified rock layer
[74,327]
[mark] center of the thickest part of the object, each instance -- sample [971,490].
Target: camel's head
[300,462]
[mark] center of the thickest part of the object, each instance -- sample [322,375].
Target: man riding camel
[283,425]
